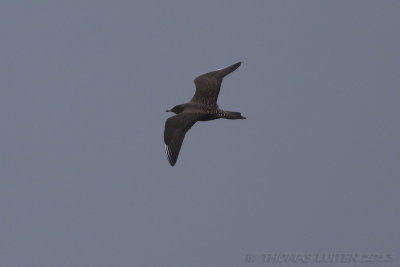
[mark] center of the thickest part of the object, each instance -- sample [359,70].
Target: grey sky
[84,86]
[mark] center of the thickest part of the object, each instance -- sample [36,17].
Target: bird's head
[177,109]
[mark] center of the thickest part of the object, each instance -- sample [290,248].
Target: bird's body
[202,107]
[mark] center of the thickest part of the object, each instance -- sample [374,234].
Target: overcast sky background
[84,86]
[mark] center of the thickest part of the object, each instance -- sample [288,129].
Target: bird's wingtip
[237,64]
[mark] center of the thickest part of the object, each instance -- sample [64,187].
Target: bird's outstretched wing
[175,129]
[209,84]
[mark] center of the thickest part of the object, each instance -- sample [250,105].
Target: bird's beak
[167,110]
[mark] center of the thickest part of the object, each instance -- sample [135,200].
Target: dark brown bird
[202,107]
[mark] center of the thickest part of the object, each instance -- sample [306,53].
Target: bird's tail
[225,71]
[231,115]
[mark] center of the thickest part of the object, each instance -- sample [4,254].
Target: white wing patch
[167,152]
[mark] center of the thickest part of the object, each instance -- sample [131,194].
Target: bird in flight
[202,107]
